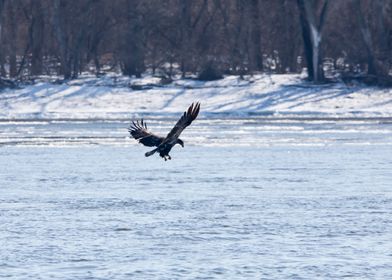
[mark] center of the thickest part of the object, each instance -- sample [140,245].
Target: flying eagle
[163,145]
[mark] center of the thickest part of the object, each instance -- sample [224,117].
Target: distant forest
[197,38]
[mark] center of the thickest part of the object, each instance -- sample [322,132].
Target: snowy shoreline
[118,97]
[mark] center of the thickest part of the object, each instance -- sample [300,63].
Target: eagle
[163,145]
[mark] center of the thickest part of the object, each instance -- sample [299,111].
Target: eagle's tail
[150,153]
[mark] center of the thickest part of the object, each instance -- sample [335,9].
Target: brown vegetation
[196,37]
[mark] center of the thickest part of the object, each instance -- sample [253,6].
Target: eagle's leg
[169,157]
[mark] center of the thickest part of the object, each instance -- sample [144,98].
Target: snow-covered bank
[119,97]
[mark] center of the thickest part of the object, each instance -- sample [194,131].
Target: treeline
[207,38]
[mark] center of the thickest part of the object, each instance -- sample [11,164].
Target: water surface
[246,198]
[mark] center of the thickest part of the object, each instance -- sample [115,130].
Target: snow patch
[114,96]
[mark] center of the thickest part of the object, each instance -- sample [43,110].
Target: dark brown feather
[139,131]
[186,119]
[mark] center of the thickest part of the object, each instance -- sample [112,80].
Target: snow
[114,96]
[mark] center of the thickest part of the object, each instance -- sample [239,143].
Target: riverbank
[114,96]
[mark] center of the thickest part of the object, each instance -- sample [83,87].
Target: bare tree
[100,23]
[256,51]
[70,28]
[289,45]
[36,37]
[197,37]
[12,36]
[312,24]
[2,69]
[377,47]
[131,38]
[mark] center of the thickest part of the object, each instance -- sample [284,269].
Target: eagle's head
[179,141]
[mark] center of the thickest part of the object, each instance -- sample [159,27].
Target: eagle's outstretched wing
[185,120]
[139,131]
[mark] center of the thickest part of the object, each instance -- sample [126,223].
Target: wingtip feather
[193,110]
[197,110]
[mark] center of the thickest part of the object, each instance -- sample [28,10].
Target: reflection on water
[245,199]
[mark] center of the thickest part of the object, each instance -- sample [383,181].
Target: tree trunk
[2,69]
[366,38]
[308,51]
[185,35]
[37,37]
[12,39]
[133,51]
[377,47]
[257,56]
[292,52]
[312,36]
[237,50]
[62,39]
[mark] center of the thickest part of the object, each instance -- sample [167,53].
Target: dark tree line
[196,37]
